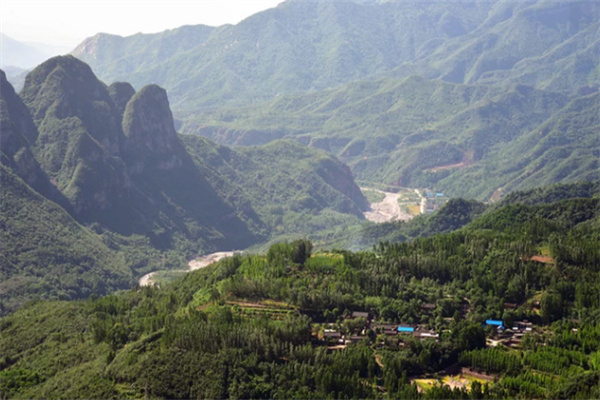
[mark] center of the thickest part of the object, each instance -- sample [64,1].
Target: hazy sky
[68,22]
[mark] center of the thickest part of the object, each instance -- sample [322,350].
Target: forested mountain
[124,169]
[98,187]
[303,46]
[406,93]
[467,140]
[257,326]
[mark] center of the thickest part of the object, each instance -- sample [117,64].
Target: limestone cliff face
[161,168]
[66,88]
[80,136]
[151,140]
[17,132]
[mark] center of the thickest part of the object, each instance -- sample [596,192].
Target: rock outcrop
[121,93]
[151,140]
[80,136]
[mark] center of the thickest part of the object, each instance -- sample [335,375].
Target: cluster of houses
[511,336]
[433,201]
[508,336]
[336,338]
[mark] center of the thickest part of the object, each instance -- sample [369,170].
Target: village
[360,325]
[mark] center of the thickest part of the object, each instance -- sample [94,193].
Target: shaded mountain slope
[98,188]
[18,134]
[117,158]
[294,189]
[47,254]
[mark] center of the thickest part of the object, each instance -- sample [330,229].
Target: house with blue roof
[495,322]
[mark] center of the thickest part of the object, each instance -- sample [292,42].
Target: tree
[551,306]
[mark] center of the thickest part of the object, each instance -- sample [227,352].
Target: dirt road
[423,201]
[386,210]
[204,261]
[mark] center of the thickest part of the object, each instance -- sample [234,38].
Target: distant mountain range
[18,58]
[306,46]
[16,54]
[89,170]
[408,93]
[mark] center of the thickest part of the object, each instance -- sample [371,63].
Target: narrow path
[386,210]
[423,201]
[201,262]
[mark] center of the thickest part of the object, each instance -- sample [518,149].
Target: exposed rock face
[79,137]
[151,140]
[16,127]
[116,159]
[339,176]
[63,88]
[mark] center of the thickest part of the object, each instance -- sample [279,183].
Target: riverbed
[201,262]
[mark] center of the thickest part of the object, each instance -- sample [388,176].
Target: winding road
[201,262]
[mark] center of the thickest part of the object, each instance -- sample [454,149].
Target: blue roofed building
[494,322]
[406,329]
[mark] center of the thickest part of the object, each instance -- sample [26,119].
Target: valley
[413,187]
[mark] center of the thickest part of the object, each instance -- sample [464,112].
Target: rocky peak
[64,87]
[121,93]
[150,131]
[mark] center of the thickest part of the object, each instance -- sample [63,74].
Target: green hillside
[123,194]
[303,46]
[296,47]
[296,191]
[408,93]
[76,261]
[565,148]
[255,326]
[466,140]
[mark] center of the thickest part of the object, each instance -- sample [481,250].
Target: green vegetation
[296,191]
[46,254]
[464,140]
[303,46]
[506,97]
[97,194]
[249,326]
[373,196]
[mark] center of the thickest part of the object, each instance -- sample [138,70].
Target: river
[201,262]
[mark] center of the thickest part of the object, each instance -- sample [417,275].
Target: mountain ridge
[106,169]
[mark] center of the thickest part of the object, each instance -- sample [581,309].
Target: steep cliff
[79,137]
[17,133]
